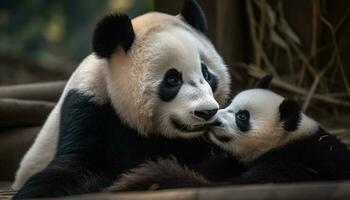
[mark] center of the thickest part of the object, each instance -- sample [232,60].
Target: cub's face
[257,121]
[250,125]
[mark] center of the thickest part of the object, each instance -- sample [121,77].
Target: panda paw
[161,174]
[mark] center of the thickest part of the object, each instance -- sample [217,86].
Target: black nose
[217,123]
[205,114]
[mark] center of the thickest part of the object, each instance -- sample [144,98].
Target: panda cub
[276,141]
[269,139]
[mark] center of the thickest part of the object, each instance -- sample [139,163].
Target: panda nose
[205,114]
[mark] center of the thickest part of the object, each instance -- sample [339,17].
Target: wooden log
[320,191]
[5,191]
[48,91]
[13,144]
[16,112]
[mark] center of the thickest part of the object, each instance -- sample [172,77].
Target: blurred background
[43,40]
[303,43]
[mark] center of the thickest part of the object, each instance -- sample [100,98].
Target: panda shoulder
[90,79]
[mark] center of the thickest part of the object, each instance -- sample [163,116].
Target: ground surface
[325,190]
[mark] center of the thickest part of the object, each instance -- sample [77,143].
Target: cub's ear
[194,15]
[264,82]
[112,32]
[290,114]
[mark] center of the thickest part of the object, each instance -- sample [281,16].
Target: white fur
[266,130]
[169,43]
[89,79]
[130,81]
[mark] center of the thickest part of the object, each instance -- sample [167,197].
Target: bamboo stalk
[254,72]
[252,27]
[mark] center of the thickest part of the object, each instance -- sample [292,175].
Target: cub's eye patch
[242,115]
[242,120]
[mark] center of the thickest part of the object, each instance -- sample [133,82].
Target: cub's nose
[205,114]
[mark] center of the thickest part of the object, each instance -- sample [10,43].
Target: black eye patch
[209,77]
[170,85]
[243,120]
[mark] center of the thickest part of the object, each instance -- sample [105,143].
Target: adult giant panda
[270,140]
[146,92]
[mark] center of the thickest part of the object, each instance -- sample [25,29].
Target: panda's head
[257,121]
[163,76]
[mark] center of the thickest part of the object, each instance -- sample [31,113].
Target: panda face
[186,85]
[187,100]
[251,125]
[171,82]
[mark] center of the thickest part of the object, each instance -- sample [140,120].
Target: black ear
[264,82]
[194,15]
[290,114]
[111,32]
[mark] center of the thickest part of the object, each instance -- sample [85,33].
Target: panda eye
[205,72]
[242,120]
[242,115]
[173,78]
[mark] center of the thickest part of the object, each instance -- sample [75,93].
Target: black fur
[194,15]
[318,157]
[243,124]
[165,174]
[95,147]
[290,114]
[211,79]
[112,32]
[158,175]
[213,82]
[222,138]
[219,168]
[168,92]
[264,82]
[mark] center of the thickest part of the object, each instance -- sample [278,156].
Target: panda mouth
[178,124]
[224,138]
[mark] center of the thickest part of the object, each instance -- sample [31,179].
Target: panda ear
[112,32]
[194,15]
[290,114]
[264,82]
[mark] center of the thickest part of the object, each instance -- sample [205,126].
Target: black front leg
[66,175]
[276,172]
[88,157]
